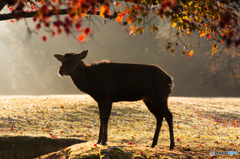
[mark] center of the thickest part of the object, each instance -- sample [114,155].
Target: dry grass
[200,124]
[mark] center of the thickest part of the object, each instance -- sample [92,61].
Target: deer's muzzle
[61,72]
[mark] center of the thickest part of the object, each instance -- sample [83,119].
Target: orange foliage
[81,38]
[119,17]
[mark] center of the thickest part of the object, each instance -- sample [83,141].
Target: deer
[107,82]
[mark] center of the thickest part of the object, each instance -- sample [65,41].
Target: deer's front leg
[100,137]
[105,111]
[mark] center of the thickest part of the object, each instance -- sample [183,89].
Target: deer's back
[127,82]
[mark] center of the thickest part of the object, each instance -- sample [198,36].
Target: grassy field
[200,125]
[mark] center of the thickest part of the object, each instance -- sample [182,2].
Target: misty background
[28,66]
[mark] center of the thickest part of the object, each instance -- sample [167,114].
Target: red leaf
[208,37]
[81,38]
[78,26]
[44,38]
[46,24]
[35,18]
[108,12]
[136,8]
[86,31]
[164,6]
[53,33]
[38,26]
[118,4]
[59,30]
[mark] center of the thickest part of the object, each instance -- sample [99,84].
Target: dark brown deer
[108,82]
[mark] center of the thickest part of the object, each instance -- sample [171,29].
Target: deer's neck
[82,78]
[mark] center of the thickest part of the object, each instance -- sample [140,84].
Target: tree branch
[2,4]
[23,14]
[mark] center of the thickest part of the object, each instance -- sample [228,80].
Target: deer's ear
[82,55]
[58,57]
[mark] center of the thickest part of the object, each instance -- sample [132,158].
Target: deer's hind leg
[160,101]
[158,117]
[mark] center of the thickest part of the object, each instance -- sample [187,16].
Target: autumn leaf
[169,45]
[103,9]
[81,38]
[174,23]
[214,51]
[54,1]
[119,17]
[214,46]
[172,51]
[78,26]
[190,53]
[53,33]
[208,37]
[130,19]
[86,31]
[38,26]
[117,4]
[44,38]
[131,29]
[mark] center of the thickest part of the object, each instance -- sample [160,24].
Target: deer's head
[70,62]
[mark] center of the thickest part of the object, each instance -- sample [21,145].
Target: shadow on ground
[25,147]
